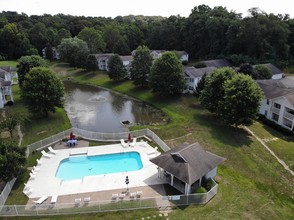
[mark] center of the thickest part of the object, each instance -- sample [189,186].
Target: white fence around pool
[46,208]
[96,136]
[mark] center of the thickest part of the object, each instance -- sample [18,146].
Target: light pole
[127,182]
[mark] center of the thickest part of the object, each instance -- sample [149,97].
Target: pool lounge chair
[27,186]
[51,150]
[78,201]
[139,193]
[46,154]
[122,195]
[34,172]
[32,175]
[36,169]
[133,142]
[152,151]
[114,196]
[87,199]
[39,162]
[123,143]
[54,199]
[133,195]
[40,200]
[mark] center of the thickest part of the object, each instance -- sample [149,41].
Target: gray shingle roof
[278,88]
[219,63]
[127,58]
[187,162]
[197,72]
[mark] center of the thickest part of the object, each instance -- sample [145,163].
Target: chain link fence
[162,202]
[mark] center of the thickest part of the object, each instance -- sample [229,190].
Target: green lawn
[252,184]
[282,145]
[11,63]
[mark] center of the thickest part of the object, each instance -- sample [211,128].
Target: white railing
[5,192]
[96,136]
[288,116]
[106,206]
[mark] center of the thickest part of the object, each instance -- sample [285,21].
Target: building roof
[219,63]
[193,72]
[103,55]
[127,58]
[181,52]
[273,88]
[187,162]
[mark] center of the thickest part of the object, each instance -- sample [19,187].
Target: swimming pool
[79,166]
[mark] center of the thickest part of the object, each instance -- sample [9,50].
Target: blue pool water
[79,166]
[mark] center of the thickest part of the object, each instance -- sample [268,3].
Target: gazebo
[186,165]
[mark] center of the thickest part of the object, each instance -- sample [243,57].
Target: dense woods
[206,33]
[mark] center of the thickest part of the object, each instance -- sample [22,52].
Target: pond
[97,109]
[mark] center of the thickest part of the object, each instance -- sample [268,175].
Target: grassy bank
[252,184]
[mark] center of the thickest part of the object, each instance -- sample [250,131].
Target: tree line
[206,33]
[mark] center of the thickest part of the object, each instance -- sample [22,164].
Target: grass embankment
[11,63]
[252,183]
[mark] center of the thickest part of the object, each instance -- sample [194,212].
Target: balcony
[288,116]
[275,110]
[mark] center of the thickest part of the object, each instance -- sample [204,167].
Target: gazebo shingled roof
[187,162]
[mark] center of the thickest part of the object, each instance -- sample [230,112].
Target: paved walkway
[286,167]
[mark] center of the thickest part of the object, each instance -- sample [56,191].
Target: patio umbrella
[71,136]
[129,137]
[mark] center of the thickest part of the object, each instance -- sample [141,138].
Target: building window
[275,117]
[265,113]
[191,80]
[190,88]
[267,101]
[276,105]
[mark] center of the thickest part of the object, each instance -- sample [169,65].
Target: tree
[10,121]
[13,42]
[91,63]
[117,71]
[242,97]
[26,63]
[212,95]
[141,66]
[167,75]
[200,85]
[42,91]
[93,38]
[247,69]
[263,72]
[74,51]
[12,159]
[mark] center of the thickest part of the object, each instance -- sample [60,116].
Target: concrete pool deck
[45,182]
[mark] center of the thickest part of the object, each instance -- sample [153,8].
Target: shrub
[201,190]
[200,64]
[209,184]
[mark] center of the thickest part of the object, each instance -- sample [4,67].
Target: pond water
[96,109]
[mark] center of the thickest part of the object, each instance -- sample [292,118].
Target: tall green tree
[12,159]
[42,91]
[14,43]
[141,66]
[26,63]
[200,86]
[93,38]
[167,77]
[242,97]
[91,63]
[10,121]
[212,95]
[117,71]
[74,51]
